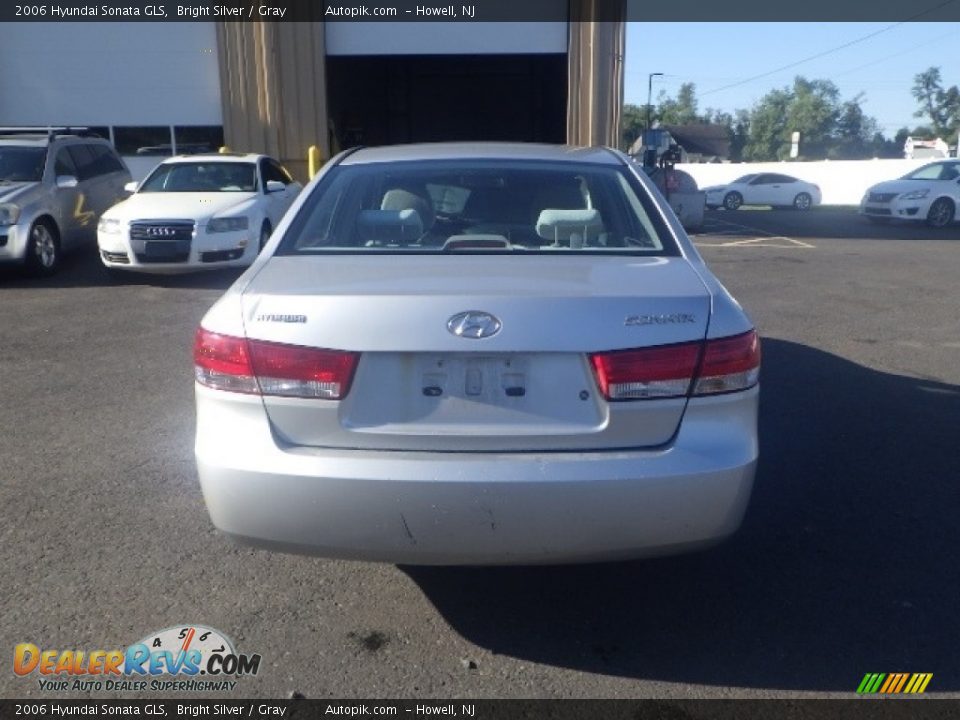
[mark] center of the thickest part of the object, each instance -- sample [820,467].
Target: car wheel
[732,200]
[803,201]
[940,213]
[264,235]
[43,249]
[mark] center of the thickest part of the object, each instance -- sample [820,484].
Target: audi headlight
[228,224]
[915,195]
[108,226]
[9,213]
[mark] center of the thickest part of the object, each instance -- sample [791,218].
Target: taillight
[222,362]
[729,364]
[297,371]
[237,364]
[657,372]
[696,368]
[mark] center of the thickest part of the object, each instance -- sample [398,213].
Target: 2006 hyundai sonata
[477,354]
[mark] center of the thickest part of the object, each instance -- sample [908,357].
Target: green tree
[938,104]
[856,134]
[828,127]
[632,120]
[813,110]
[681,110]
[769,133]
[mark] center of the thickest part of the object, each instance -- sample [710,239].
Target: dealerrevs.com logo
[181,658]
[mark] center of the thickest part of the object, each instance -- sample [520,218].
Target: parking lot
[846,563]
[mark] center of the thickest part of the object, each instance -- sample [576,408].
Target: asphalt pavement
[846,562]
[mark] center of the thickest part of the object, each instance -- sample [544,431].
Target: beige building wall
[274,96]
[595,83]
[273,89]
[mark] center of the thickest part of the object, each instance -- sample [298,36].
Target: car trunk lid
[528,386]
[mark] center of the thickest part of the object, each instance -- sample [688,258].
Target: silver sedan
[477,354]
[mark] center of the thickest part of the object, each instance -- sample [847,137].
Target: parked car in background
[928,194]
[478,354]
[772,189]
[54,186]
[197,212]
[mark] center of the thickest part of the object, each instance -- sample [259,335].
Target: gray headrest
[392,226]
[399,199]
[558,225]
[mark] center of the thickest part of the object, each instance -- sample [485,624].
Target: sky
[879,60]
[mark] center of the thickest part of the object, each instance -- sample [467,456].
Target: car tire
[803,201]
[265,231]
[941,213]
[43,249]
[732,201]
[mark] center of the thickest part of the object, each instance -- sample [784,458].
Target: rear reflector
[725,365]
[236,364]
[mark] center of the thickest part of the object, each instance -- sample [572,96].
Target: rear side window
[104,161]
[83,160]
[934,171]
[273,171]
[64,164]
[481,206]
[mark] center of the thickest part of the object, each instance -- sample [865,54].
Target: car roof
[482,151]
[25,140]
[43,139]
[220,157]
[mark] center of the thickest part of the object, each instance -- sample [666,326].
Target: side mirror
[131,187]
[275,186]
[66,181]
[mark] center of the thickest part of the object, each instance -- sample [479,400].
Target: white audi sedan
[197,212]
[774,189]
[477,354]
[928,194]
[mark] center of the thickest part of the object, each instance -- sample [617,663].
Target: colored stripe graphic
[870,683]
[894,683]
[903,679]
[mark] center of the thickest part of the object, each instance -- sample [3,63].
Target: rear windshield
[482,206]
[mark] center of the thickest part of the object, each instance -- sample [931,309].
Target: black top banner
[478,11]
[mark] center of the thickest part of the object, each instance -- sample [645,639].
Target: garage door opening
[376,100]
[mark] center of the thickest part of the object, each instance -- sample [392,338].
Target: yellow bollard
[313,160]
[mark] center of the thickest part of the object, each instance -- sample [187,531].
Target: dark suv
[54,185]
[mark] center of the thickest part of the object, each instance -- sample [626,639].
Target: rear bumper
[477,508]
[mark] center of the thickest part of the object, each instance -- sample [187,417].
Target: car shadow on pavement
[846,562]
[83,269]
